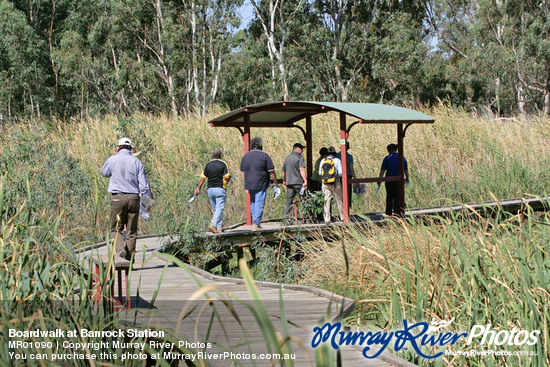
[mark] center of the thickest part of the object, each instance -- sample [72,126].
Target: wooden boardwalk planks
[176,290]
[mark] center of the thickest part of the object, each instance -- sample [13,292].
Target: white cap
[125,141]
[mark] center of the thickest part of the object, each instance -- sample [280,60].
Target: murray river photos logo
[418,335]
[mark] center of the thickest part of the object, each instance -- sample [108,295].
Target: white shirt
[337,165]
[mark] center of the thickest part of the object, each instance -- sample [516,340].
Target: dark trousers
[392,198]
[124,213]
[291,192]
[350,189]
[313,186]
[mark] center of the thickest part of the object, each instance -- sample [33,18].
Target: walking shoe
[212,229]
[256,227]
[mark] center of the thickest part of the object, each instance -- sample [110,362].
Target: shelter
[287,114]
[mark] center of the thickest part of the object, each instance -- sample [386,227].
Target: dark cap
[298,145]
[331,150]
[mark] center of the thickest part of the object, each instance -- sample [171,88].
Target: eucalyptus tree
[498,51]
[400,59]
[25,84]
[275,18]
[206,28]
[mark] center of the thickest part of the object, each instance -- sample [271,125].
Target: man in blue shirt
[126,184]
[256,168]
[390,167]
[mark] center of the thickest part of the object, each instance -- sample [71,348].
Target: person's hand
[406,181]
[284,184]
[196,192]
[276,191]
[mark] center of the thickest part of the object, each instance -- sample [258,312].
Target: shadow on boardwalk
[201,308]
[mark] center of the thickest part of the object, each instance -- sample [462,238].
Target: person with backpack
[330,171]
[217,174]
[314,183]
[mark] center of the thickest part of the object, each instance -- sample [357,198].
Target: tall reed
[460,158]
[475,270]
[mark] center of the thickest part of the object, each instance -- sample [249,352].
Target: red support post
[344,159]
[401,164]
[309,147]
[246,140]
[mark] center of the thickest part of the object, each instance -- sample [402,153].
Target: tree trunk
[276,53]
[521,99]
[165,69]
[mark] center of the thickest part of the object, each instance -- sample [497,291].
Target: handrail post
[401,165]
[246,140]
[344,159]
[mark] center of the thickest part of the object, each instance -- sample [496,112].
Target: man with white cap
[127,183]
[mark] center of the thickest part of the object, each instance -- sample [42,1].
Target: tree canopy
[67,58]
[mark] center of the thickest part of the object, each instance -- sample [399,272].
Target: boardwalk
[177,288]
[242,233]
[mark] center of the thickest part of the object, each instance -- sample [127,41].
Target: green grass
[44,286]
[479,271]
[53,201]
[458,159]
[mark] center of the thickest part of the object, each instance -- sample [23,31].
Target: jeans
[257,204]
[217,200]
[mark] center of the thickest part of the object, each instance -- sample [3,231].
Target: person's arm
[284,178]
[351,170]
[304,176]
[274,177]
[382,172]
[338,166]
[201,182]
[142,181]
[407,175]
[106,169]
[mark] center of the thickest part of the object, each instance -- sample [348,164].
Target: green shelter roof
[285,114]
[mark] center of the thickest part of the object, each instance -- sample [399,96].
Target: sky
[246,12]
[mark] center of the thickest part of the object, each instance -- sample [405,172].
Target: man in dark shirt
[390,166]
[218,175]
[256,167]
[294,176]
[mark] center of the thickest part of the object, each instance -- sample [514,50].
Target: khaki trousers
[124,213]
[336,190]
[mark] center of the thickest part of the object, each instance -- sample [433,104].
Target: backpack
[328,171]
